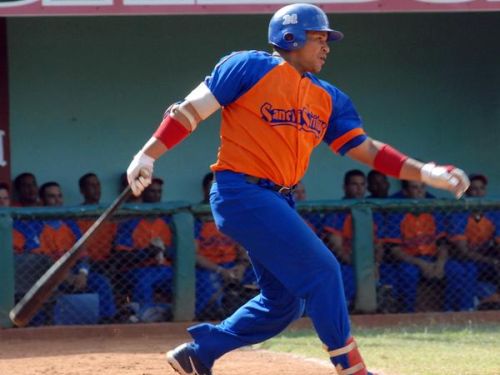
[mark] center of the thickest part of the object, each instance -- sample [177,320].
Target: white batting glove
[445,177]
[140,173]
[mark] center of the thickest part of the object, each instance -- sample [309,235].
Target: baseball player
[274,112]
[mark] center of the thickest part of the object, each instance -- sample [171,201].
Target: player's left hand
[445,177]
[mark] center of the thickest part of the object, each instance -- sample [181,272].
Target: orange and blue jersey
[18,241]
[99,245]
[480,230]
[214,245]
[56,237]
[340,224]
[273,117]
[136,235]
[25,235]
[416,233]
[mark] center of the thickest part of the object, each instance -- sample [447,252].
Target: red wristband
[171,132]
[389,161]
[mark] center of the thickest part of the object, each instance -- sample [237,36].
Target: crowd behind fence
[168,261]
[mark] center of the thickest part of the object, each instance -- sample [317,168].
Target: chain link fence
[144,266]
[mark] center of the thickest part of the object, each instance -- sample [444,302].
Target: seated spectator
[100,244]
[478,186]
[224,276]
[143,254]
[407,186]
[153,193]
[90,188]
[378,185]
[26,190]
[354,184]
[338,231]
[4,195]
[476,236]
[207,182]
[422,253]
[56,237]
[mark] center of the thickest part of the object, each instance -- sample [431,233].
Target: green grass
[416,350]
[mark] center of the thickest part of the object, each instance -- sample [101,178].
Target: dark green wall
[87,92]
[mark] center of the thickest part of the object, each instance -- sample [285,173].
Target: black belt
[267,184]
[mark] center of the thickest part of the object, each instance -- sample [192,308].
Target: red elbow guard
[389,161]
[171,132]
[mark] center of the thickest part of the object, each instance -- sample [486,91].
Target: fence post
[6,269]
[364,259]
[184,267]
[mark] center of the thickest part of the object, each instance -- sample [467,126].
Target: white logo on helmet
[290,19]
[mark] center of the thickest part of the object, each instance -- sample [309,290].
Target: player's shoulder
[333,90]
[248,58]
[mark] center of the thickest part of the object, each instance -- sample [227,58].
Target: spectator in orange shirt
[98,246]
[143,253]
[221,264]
[476,236]
[26,190]
[423,252]
[56,237]
[338,231]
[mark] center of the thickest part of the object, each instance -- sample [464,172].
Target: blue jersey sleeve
[345,129]
[237,73]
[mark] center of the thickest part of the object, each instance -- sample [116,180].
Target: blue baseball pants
[293,268]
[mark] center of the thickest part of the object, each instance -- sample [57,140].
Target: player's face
[477,189]
[312,56]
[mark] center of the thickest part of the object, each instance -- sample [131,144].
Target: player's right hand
[445,177]
[140,173]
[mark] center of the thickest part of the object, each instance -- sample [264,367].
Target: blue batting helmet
[288,27]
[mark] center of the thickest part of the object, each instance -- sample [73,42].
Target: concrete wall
[86,93]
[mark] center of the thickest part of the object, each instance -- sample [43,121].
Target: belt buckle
[285,190]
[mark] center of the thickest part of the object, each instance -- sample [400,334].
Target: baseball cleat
[184,361]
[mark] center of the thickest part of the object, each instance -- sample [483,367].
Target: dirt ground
[140,355]
[139,349]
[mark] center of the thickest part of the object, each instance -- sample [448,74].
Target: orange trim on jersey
[342,140]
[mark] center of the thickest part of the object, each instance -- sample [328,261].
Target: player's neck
[288,57]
